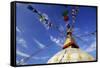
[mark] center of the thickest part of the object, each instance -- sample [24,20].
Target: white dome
[71,55]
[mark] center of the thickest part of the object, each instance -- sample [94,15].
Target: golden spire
[70,42]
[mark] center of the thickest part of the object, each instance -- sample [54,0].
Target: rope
[48,23]
[89,34]
[74,14]
[63,55]
[36,52]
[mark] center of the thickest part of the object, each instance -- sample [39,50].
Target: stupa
[70,51]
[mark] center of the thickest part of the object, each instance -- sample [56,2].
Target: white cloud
[92,47]
[22,54]
[40,44]
[20,62]
[86,32]
[40,58]
[18,30]
[86,39]
[57,41]
[22,42]
[61,28]
[77,31]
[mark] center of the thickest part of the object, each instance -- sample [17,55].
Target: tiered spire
[70,42]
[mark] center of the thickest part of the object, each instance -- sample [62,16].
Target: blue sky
[33,36]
